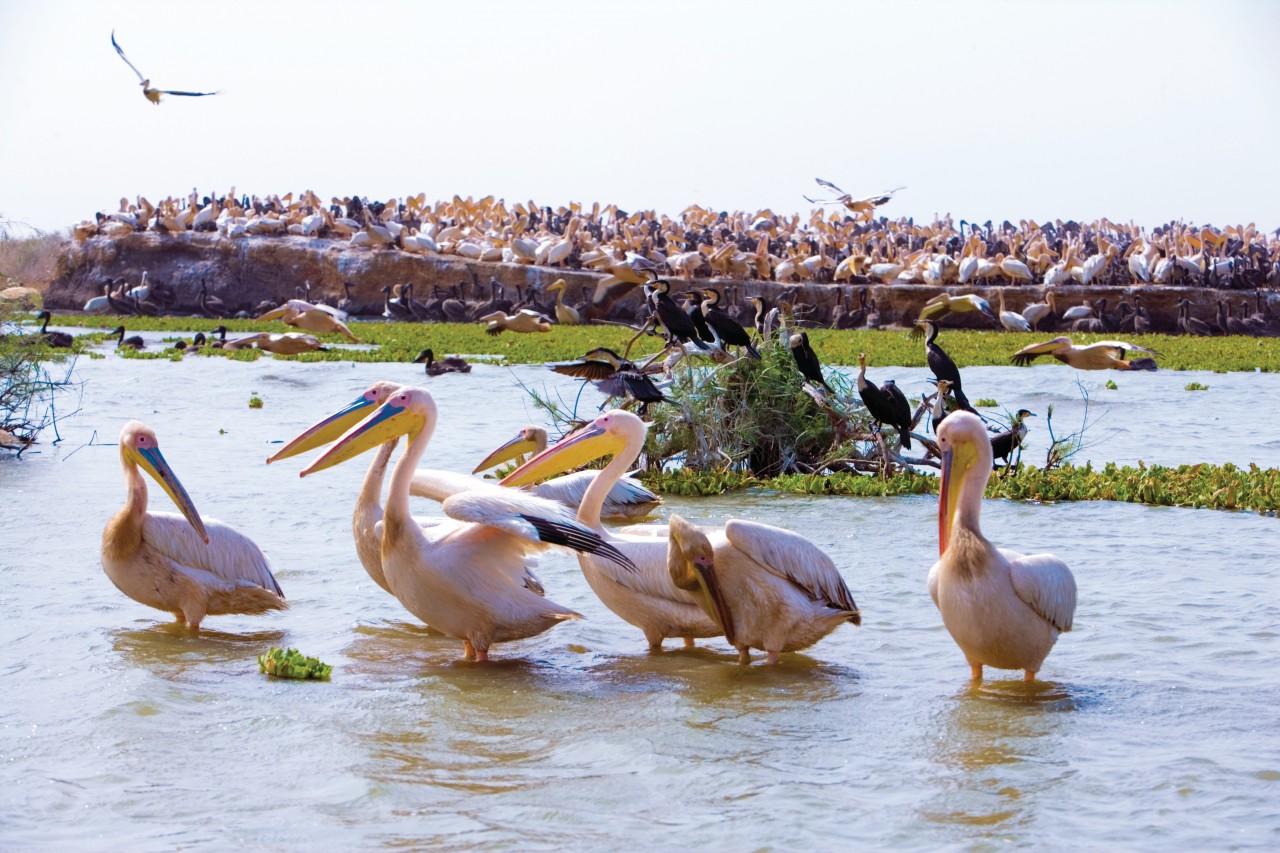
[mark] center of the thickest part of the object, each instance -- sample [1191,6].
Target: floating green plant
[290,663]
[1111,385]
[1196,386]
[255,402]
[986,402]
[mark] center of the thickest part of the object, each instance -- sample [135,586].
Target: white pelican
[863,207]
[523,320]
[626,500]
[566,315]
[320,319]
[152,95]
[756,589]
[1003,609]
[648,598]
[1099,356]
[290,343]
[944,303]
[466,576]
[180,564]
[1037,311]
[1011,320]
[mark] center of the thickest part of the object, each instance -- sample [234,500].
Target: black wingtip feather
[556,533]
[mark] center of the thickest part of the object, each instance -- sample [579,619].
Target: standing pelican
[758,605]
[468,575]
[190,568]
[1002,608]
[626,500]
[648,598]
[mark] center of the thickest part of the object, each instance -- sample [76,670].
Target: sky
[1137,111]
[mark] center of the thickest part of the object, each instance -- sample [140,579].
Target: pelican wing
[141,78]
[531,518]
[187,94]
[1047,586]
[627,498]
[230,555]
[437,485]
[1119,348]
[1030,353]
[791,556]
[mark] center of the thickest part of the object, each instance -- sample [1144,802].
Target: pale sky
[1143,111]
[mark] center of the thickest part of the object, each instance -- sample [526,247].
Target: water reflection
[170,649]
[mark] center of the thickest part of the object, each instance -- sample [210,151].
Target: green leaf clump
[290,663]
[1196,386]
[255,402]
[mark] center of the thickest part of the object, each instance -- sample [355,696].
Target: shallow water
[1154,725]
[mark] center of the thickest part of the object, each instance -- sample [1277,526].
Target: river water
[1154,725]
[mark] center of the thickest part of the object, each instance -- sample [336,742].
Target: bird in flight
[152,95]
[863,207]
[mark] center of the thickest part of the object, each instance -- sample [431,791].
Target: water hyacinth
[290,663]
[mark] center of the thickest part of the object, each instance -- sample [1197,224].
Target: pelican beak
[389,422]
[705,570]
[152,461]
[514,448]
[587,444]
[956,462]
[327,430]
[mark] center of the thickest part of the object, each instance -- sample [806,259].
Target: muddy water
[1154,725]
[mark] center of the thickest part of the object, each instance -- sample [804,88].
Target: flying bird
[863,207]
[1099,356]
[152,95]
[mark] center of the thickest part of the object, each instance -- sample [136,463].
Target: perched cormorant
[730,332]
[807,359]
[942,365]
[679,325]
[1003,444]
[887,404]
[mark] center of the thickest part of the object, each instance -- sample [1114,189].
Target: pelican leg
[771,658]
[688,642]
[468,650]
[744,655]
[975,671]
[1028,676]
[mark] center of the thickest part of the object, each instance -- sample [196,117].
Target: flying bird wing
[126,59]
[1028,354]
[188,94]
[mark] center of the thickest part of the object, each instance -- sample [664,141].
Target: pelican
[944,303]
[320,319]
[1099,356]
[778,609]
[1012,320]
[289,343]
[566,315]
[152,95]
[1037,311]
[466,576]
[1003,609]
[626,500]
[648,597]
[523,320]
[191,568]
[863,207]
[448,364]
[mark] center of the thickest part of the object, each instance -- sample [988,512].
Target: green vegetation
[290,663]
[1111,385]
[1202,486]
[986,402]
[255,402]
[29,388]
[402,341]
[1196,386]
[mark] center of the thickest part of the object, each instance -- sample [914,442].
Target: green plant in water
[1196,386]
[255,402]
[1111,385]
[986,402]
[290,663]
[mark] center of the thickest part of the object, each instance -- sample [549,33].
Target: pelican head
[332,427]
[408,411]
[964,444]
[139,448]
[528,440]
[692,563]
[607,435]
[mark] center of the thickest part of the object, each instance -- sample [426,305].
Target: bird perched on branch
[942,365]
[152,94]
[1099,356]
[807,359]
[887,404]
[1003,444]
